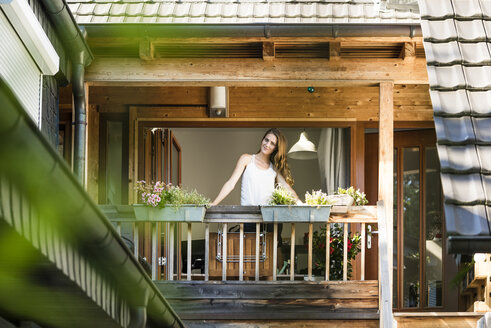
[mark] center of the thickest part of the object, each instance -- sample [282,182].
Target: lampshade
[303,149]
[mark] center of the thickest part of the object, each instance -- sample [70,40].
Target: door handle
[369,236]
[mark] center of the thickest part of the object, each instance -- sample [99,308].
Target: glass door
[418,222]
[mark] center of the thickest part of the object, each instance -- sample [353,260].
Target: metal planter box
[296,213]
[183,213]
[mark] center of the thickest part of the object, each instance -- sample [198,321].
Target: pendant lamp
[303,149]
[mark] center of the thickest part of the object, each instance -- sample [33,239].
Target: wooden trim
[268,51]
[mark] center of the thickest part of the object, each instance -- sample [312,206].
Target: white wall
[209,156]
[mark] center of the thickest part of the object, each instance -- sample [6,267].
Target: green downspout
[80,56]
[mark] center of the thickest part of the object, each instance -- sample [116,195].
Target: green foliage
[160,195]
[281,196]
[359,197]
[317,198]
[335,251]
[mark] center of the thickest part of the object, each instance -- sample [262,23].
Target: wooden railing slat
[241,252]
[309,265]
[224,252]
[258,228]
[207,252]
[345,251]
[292,253]
[189,257]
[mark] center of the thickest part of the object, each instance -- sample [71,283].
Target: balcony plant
[165,202]
[282,208]
[335,251]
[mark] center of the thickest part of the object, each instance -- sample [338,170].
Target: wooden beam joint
[268,50]
[334,50]
[146,50]
[408,51]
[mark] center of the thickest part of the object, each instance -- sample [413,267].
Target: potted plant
[335,251]
[163,202]
[282,207]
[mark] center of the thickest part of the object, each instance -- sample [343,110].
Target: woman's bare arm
[232,181]
[281,180]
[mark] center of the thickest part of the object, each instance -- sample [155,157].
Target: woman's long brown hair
[278,156]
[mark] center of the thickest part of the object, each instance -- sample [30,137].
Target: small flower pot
[295,213]
[170,213]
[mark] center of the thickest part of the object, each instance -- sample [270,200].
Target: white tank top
[257,184]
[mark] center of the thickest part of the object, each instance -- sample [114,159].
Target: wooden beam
[386,167]
[268,51]
[408,51]
[146,50]
[334,50]
[227,71]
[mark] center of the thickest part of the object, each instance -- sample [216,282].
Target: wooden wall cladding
[286,102]
[411,103]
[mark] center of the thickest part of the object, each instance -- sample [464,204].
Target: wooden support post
[386,169]
[268,51]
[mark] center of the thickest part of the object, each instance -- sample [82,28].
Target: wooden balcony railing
[254,255]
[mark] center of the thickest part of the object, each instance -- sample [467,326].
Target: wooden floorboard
[437,319]
[283,323]
[272,300]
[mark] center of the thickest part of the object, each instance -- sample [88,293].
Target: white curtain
[334,159]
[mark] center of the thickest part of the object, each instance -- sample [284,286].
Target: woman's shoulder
[245,157]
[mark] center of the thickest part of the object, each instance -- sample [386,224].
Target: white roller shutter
[18,70]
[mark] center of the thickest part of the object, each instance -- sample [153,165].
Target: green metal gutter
[42,176]
[80,56]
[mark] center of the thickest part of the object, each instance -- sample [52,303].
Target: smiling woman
[260,172]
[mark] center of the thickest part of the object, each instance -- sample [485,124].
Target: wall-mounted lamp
[303,149]
[218,102]
[311,89]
